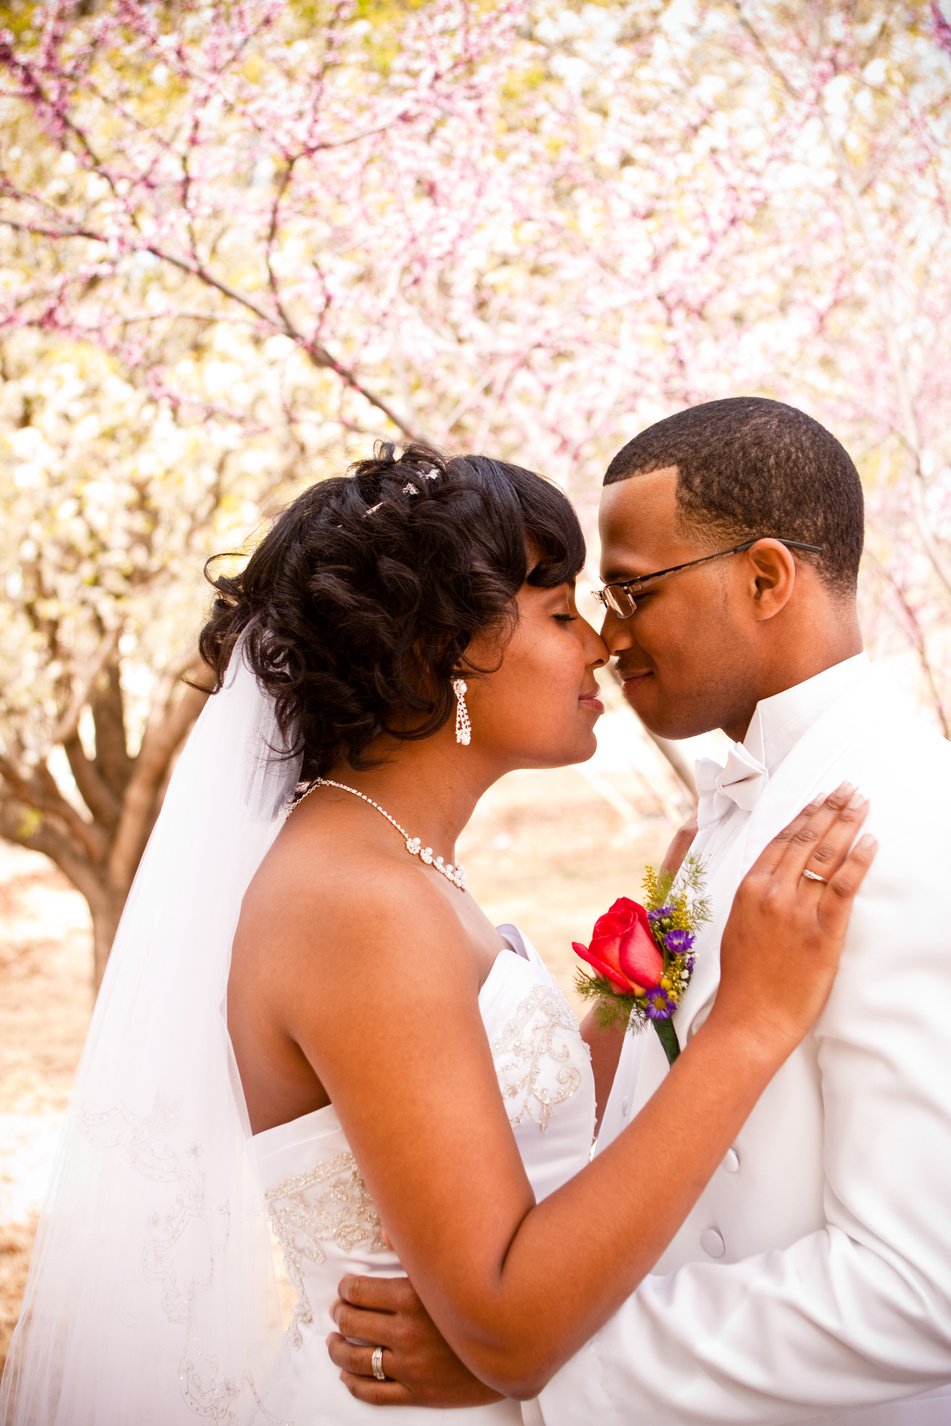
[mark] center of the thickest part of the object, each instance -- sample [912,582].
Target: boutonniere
[643,955]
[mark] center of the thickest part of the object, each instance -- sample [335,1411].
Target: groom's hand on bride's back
[421,1369]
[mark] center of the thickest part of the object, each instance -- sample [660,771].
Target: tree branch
[920,643]
[165,732]
[108,713]
[51,842]
[316,351]
[97,795]
[36,790]
[66,727]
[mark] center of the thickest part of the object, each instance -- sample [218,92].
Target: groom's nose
[617,633]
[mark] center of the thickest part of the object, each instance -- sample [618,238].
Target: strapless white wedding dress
[327,1224]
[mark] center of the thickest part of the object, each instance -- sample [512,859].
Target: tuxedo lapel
[706,976]
[816,764]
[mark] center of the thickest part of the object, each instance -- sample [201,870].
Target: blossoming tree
[240,241]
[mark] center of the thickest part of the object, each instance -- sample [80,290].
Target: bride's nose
[596,649]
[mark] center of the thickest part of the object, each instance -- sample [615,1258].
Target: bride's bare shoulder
[316,898]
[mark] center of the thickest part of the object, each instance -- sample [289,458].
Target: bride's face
[540,706]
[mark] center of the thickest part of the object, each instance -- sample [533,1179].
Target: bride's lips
[592,702]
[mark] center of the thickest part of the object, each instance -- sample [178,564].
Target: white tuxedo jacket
[812,1282]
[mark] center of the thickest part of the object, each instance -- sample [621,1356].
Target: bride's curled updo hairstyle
[361,600]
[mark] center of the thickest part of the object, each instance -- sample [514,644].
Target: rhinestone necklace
[414,846]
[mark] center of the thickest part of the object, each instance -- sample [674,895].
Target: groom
[812,1281]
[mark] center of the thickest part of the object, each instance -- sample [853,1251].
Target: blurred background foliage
[242,239]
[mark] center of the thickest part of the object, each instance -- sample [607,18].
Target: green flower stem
[668,1038]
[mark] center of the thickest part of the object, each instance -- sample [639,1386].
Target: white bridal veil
[151,1298]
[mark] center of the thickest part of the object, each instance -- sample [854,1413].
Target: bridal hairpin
[408,489]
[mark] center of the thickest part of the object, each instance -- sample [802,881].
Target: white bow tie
[739,783]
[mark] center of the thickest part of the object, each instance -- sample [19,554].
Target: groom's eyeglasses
[621,598]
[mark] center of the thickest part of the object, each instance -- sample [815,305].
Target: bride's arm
[386,1011]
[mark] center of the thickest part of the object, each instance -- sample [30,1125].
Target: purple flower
[660,1006]
[689,964]
[660,914]
[678,941]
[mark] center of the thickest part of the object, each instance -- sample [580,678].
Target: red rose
[623,948]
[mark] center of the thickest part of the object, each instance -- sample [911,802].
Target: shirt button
[731,1161]
[711,1241]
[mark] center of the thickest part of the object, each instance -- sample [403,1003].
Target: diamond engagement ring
[376,1364]
[814,876]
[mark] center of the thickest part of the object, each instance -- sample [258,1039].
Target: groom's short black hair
[750,466]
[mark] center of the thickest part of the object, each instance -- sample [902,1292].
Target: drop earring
[463,726]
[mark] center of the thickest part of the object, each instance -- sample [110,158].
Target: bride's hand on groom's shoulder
[419,1366]
[782,942]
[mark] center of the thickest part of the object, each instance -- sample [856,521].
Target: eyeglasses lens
[618,600]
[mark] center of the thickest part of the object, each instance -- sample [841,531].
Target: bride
[308,1022]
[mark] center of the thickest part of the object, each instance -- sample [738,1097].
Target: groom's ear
[770,572]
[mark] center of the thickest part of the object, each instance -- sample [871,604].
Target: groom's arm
[421,1369]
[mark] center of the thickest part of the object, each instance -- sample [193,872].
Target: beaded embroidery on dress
[326,1204]
[539,1035]
[326,1222]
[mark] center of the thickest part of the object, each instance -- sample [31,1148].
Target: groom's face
[686,656]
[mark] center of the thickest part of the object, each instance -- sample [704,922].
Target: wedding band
[376,1364]
[814,876]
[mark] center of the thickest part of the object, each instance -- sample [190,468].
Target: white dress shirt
[776,727]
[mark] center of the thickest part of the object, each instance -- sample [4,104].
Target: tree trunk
[106,909]
[99,848]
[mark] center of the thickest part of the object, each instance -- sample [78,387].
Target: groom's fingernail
[844,789]
[857,800]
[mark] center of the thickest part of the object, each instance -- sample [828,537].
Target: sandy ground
[45,999]
[544,850]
